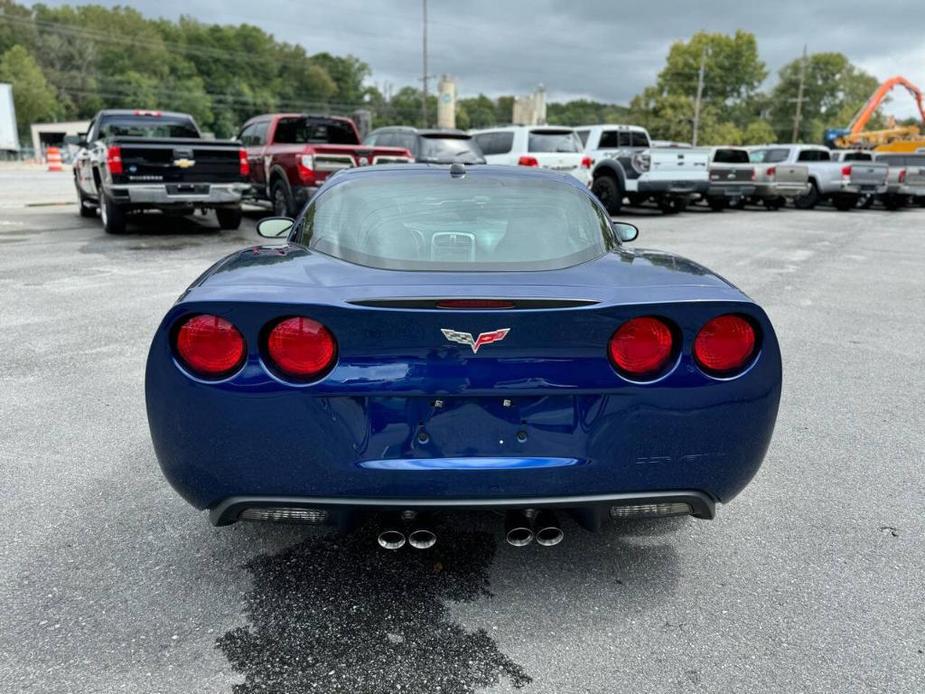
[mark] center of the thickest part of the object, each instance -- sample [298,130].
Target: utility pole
[424,73]
[800,98]
[703,67]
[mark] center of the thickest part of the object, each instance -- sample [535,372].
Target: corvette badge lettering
[475,343]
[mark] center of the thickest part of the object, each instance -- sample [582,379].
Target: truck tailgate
[678,164]
[731,173]
[179,161]
[791,173]
[866,173]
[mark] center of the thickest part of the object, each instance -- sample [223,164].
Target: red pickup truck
[291,154]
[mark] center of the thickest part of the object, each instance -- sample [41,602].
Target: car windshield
[328,131]
[474,223]
[449,150]
[148,127]
[553,141]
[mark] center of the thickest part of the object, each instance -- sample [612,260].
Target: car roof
[143,112]
[618,126]
[424,132]
[443,171]
[517,128]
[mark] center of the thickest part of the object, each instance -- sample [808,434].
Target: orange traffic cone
[53,156]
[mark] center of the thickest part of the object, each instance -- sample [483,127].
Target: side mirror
[274,227]
[625,232]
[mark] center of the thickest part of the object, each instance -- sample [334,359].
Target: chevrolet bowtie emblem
[475,342]
[183,163]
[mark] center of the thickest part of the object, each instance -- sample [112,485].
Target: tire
[717,204]
[672,205]
[282,200]
[607,190]
[113,216]
[844,201]
[866,202]
[773,204]
[87,208]
[809,199]
[228,217]
[894,202]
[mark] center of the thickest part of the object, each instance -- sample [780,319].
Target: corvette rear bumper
[229,510]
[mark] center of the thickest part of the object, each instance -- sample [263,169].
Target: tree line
[69,62]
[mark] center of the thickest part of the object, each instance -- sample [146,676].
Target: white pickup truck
[626,167]
[841,182]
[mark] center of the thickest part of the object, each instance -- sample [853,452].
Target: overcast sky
[607,51]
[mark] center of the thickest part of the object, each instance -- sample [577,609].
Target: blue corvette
[423,339]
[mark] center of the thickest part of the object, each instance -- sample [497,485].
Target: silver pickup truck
[732,177]
[842,183]
[905,182]
[626,167]
[776,182]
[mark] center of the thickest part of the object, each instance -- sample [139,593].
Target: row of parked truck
[135,160]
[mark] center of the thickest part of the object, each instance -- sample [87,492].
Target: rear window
[813,155]
[553,141]
[477,223]
[857,156]
[730,156]
[499,142]
[445,149]
[769,156]
[148,126]
[327,131]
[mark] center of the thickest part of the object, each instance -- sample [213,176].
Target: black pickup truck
[151,160]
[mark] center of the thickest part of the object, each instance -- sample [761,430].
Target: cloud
[597,49]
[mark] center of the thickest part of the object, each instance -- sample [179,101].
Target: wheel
[282,200]
[844,201]
[809,199]
[894,202]
[608,192]
[87,208]
[717,204]
[865,202]
[773,204]
[229,217]
[113,217]
[669,204]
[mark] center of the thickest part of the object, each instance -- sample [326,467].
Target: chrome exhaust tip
[517,529]
[391,538]
[422,538]
[546,529]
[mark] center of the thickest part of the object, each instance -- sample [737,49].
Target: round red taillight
[210,346]
[725,344]
[642,346]
[301,347]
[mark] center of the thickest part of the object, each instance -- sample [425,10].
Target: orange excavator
[855,136]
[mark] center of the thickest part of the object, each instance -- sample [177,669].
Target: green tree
[732,76]
[33,98]
[834,90]
[758,132]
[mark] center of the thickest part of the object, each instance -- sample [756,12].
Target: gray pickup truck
[905,181]
[776,182]
[732,177]
[842,183]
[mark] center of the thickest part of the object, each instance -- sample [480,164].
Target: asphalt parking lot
[811,581]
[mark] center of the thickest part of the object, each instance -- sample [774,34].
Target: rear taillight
[114,159]
[771,171]
[846,171]
[527,161]
[475,303]
[641,347]
[587,162]
[306,166]
[902,175]
[725,344]
[301,348]
[243,164]
[210,346]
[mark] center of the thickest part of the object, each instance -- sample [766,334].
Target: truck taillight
[587,162]
[306,166]
[846,171]
[902,175]
[114,159]
[243,164]
[527,161]
[772,170]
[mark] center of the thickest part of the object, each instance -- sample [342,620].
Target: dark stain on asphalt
[337,614]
